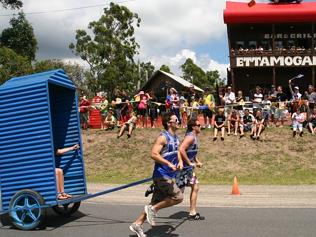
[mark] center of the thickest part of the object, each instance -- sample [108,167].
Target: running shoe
[138,229]
[150,215]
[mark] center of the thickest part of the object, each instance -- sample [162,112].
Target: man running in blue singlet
[167,161]
[186,177]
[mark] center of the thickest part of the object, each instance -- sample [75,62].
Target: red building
[271,43]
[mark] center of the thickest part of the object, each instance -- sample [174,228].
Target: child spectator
[298,119]
[219,124]
[233,122]
[110,120]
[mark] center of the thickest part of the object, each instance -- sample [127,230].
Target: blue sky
[170,32]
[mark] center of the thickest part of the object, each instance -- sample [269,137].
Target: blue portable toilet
[39,114]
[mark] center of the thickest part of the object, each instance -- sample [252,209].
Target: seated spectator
[60,174]
[128,126]
[233,122]
[110,120]
[259,125]
[312,121]
[298,119]
[219,124]
[247,123]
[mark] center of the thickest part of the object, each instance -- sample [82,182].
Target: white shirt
[229,98]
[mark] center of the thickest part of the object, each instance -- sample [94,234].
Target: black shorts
[142,112]
[207,113]
[153,114]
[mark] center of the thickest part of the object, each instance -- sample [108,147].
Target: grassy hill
[277,158]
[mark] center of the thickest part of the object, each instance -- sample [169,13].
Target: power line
[67,9]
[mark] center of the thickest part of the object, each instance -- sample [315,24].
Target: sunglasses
[198,125]
[175,121]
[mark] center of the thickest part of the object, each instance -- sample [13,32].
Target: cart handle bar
[111,190]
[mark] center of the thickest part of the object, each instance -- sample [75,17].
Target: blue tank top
[170,153]
[192,150]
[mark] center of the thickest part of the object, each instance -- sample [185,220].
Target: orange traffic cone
[235,190]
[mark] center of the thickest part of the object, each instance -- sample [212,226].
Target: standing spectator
[124,106]
[228,99]
[297,122]
[191,95]
[84,112]
[187,177]
[296,95]
[272,96]
[266,109]
[175,103]
[257,99]
[167,160]
[168,102]
[240,98]
[219,124]
[142,107]
[153,109]
[233,122]
[209,106]
[184,111]
[247,123]
[118,106]
[280,112]
[257,96]
[229,96]
[310,95]
[103,110]
[312,121]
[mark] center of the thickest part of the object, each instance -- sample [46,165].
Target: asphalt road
[100,219]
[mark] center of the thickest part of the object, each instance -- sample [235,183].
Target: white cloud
[203,61]
[169,31]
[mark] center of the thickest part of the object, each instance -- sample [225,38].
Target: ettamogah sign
[275,61]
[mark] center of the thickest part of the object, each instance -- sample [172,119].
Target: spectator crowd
[227,113]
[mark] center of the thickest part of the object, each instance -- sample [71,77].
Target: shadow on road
[167,230]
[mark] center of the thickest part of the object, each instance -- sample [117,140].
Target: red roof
[240,12]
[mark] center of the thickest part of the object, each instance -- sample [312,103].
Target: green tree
[12,64]
[13,4]
[165,68]
[110,49]
[20,37]
[214,78]
[194,74]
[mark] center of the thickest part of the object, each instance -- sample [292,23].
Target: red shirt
[83,104]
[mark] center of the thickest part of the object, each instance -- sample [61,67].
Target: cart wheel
[25,209]
[67,209]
